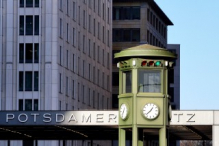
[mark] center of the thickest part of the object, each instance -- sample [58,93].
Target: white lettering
[84,118]
[61,119]
[100,118]
[72,118]
[47,118]
[25,118]
[9,117]
[190,119]
[112,117]
[178,117]
[34,117]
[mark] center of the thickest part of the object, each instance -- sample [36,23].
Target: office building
[140,22]
[55,55]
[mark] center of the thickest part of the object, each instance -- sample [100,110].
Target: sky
[196,29]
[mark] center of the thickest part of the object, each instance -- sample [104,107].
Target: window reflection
[149,81]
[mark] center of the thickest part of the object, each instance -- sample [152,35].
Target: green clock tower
[143,95]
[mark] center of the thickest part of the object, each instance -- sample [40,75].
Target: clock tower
[143,96]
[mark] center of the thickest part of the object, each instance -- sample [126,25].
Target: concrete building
[55,55]
[140,22]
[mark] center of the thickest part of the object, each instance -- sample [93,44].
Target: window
[98,53]
[66,88]
[60,83]
[94,51]
[84,42]
[73,89]
[73,37]
[94,31]
[73,62]
[74,10]
[67,32]
[126,35]
[103,11]
[83,95]
[29,3]
[108,38]
[103,34]
[84,19]
[126,13]
[115,101]
[149,81]
[89,47]
[67,7]
[98,30]
[28,105]
[89,98]
[127,82]
[60,27]
[115,79]
[79,9]
[29,25]
[89,23]
[66,58]
[28,81]
[79,93]
[60,5]
[29,54]
[94,98]
[60,55]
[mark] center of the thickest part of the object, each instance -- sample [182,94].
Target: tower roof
[145,50]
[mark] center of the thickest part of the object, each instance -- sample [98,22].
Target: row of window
[100,31]
[28,53]
[100,79]
[126,13]
[69,61]
[29,3]
[151,39]
[28,105]
[29,25]
[148,81]
[28,81]
[101,7]
[89,97]
[156,23]
[126,34]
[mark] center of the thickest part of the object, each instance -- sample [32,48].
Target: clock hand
[149,111]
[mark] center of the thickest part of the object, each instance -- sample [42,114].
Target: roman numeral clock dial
[150,111]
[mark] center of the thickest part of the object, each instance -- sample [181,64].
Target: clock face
[151,111]
[123,111]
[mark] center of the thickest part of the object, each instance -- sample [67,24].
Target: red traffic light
[143,63]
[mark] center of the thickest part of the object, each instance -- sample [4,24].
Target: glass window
[20,105]
[149,81]
[136,13]
[21,3]
[36,80]
[21,81]
[21,30]
[37,3]
[135,35]
[126,35]
[28,81]
[29,25]
[21,53]
[29,3]
[36,25]
[29,53]
[28,105]
[35,105]
[36,53]
[127,82]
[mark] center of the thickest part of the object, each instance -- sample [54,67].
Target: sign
[59,118]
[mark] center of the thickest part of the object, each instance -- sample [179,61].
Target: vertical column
[122,136]
[162,137]
[215,135]
[9,54]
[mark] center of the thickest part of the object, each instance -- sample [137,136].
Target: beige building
[55,55]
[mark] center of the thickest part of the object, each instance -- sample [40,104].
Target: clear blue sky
[196,29]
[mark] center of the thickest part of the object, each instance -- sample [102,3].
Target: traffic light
[151,63]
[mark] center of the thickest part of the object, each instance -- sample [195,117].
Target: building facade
[141,22]
[55,55]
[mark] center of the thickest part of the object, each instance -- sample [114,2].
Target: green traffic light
[157,63]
